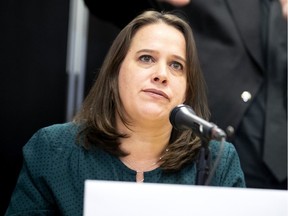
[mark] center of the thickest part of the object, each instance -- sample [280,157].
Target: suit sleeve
[123,11]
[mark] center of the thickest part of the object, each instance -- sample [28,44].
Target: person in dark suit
[242,48]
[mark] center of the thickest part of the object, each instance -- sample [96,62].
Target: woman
[123,131]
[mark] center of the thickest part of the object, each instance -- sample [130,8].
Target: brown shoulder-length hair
[97,116]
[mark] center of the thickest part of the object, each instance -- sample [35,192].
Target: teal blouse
[51,181]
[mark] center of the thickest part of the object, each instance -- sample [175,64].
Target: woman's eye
[146,58]
[177,66]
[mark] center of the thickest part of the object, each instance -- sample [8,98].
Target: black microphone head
[176,115]
[183,117]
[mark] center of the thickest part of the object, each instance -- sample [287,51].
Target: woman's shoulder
[60,128]
[51,146]
[226,155]
[224,147]
[54,136]
[225,158]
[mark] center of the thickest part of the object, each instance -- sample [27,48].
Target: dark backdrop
[33,78]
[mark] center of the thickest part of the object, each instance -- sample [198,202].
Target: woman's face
[152,77]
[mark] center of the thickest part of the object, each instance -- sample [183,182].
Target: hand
[284,8]
[178,3]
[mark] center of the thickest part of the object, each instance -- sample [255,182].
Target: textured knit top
[55,168]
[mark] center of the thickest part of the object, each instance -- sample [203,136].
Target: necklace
[140,168]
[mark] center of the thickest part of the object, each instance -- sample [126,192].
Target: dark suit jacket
[228,38]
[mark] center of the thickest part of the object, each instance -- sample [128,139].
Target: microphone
[183,117]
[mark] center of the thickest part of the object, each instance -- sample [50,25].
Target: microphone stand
[203,163]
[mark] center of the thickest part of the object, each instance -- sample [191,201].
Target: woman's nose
[160,75]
